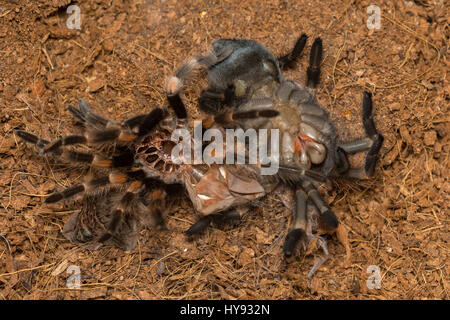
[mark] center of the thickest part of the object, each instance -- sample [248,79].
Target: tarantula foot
[199,226]
[328,221]
[372,155]
[294,236]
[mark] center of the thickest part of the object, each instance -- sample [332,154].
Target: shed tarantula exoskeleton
[131,183]
[249,77]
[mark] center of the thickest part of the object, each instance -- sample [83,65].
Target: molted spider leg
[212,100]
[298,233]
[328,219]
[373,142]
[319,261]
[313,72]
[287,61]
[342,163]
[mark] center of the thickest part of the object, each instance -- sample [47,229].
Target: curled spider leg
[299,224]
[315,58]
[373,142]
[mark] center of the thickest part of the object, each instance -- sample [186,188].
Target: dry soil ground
[118,62]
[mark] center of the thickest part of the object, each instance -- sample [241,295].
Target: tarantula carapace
[249,77]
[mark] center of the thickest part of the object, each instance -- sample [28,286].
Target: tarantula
[135,171]
[133,179]
[248,77]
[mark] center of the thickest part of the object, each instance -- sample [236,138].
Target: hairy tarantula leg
[199,226]
[315,58]
[287,61]
[220,218]
[86,117]
[174,84]
[31,138]
[146,124]
[121,160]
[118,214]
[113,178]
[213,100]
[296,176]
[328,219]
[319,261]
[298,233]
[226,217]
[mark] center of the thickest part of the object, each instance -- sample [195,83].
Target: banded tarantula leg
[328,220]
[146,124]
[31,138]
[315,58]
[124,159]
[298,233]
[372,142]
[87,118]
[287,61]
[90,185]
